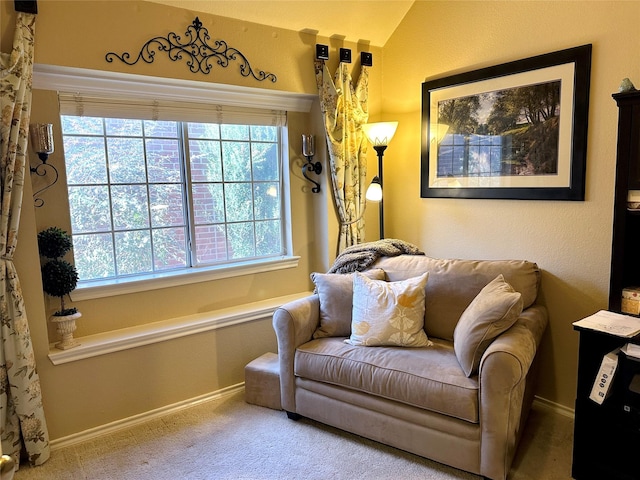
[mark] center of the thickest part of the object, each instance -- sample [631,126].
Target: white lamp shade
[380,133]
[374,192]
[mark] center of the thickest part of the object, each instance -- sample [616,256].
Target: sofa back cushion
[454,283]
[335,292]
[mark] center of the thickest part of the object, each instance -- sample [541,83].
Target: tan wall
[571,241]
[93,392]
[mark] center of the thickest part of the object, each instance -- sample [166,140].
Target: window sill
[183,277]
[132,337]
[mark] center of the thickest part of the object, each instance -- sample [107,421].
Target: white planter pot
[65,326]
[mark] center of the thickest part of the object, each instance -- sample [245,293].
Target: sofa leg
[293,416]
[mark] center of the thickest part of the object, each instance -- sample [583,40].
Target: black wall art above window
[195,51]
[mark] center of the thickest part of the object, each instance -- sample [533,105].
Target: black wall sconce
[42,143]
[308,150]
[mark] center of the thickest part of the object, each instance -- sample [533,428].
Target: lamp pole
[380,151]
[379,134]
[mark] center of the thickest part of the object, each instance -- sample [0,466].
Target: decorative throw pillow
[335,291]
[388,313]
[494,310]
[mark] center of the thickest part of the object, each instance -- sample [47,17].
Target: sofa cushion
[494,310]
[454,283]
[424,377]
[388,313]
[335,292]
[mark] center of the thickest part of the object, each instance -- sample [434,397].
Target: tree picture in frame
[513,131]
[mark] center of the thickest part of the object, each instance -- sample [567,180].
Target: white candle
[308,149]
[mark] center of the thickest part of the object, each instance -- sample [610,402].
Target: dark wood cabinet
[607,436]
[625,248]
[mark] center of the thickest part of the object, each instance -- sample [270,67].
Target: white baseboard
[539,402]
[124,423]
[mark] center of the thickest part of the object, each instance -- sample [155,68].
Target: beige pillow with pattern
[388,313]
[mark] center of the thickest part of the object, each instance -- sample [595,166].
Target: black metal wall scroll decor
[198,52]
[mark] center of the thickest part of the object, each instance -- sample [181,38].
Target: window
[157,195]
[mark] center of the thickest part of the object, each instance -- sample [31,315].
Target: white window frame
[95,83]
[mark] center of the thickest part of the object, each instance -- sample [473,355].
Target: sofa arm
[503,380]
[294,324]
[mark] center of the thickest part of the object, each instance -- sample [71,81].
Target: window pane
[133,252]
[234,132]
[159,128]
[163,158]
[85,160]
[238,202]
[241,240]
[236,161]
[266,201]
[211,244]
[264,160]
[268,238]
[130,207]
[94,256]
[264,133]
[82,125]
[123,127]
[126,160]
[203,130]
[208,203]
[89,209]
[167,207]
[169,248]
[206,164]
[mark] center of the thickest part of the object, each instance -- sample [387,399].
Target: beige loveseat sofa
[420,399]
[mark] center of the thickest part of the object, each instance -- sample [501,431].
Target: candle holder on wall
[308,150]
[42,144]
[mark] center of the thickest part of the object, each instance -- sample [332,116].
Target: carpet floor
[228,439]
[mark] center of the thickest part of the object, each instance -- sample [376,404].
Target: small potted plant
[59,279]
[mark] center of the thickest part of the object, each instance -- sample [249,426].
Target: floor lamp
[379,134]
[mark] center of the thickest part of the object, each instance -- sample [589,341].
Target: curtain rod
[322,53]
[27,6]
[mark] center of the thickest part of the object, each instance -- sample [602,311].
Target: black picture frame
[507,157]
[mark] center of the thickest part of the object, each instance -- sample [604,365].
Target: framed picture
[512,131]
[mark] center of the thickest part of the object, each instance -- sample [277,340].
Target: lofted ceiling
[368,21]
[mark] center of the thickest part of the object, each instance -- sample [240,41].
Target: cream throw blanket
[362,256]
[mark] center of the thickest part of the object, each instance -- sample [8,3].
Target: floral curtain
[344,108]
[21,414]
